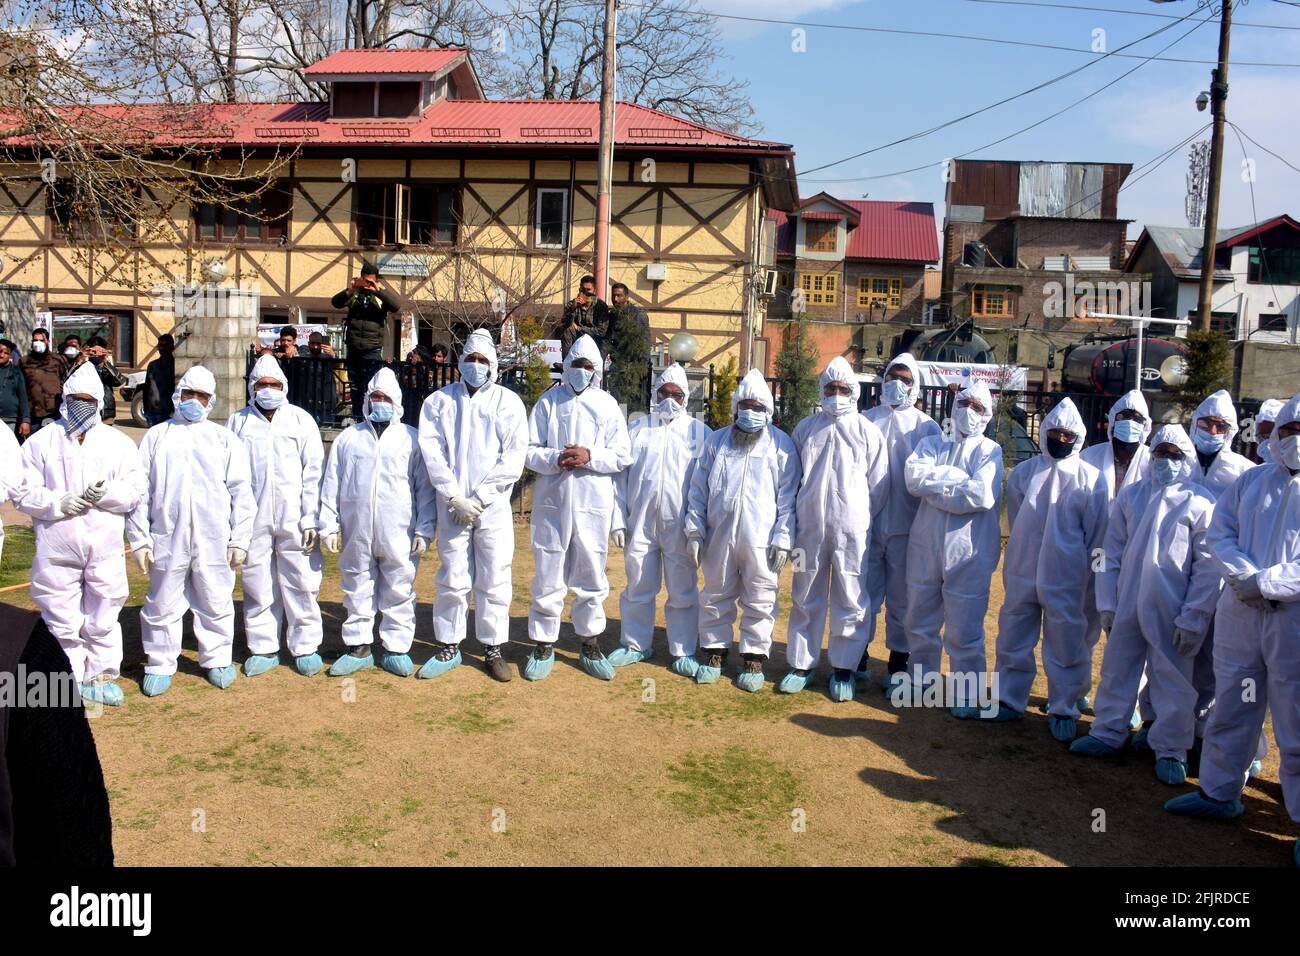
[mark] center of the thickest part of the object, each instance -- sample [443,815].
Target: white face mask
[270,398]
[1290,451]
[895,393]
[578,378]
[837,405]
[967,421]
[38,346]
[72,351]
[669,408]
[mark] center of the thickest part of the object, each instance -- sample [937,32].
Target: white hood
[1132,400]
[1289,413]
[585,347]
[384,381]
[266,367]
[480,340]
[84,381]
[1176,435]
[1219,404]
[980,393]
[675,375]
[908,361]
[1066,416]
[753,385]
[197,379]
[839,370]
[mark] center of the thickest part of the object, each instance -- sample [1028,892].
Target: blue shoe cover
[1196,804]
[155,685]
[598,667]
[436,668]
[221,677]
[347,664]
[1083,703]
[1140,740]
[1256,768]
[1091,746]
[685,666]
[1135,722]
[308,665]
[1000,713]
[399,665]
[1064,729]
[535,669]
[841,690]
[105,692]
[1171,770]
[622,656]
[793,682]
[260,664]
[752,683]
[964,713]
[707,674]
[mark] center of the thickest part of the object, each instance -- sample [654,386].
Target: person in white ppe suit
[1155,595]
[740,527]
[191,530]
[473,436]
[577,445]
[1265,419]
[1255,538]
[904,426]
[1123,460]
[1056,507]
[378,512]
[282,575]
[79,478]
[953,548]
[651,492]
[1214,426]
[843,486]
[11,473]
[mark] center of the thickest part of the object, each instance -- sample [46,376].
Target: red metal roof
[385,61]
[897,231]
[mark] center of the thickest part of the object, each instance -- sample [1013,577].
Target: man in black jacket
[586,314]
[368,308]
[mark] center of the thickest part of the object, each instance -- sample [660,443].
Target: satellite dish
[683,347]
[1173,371]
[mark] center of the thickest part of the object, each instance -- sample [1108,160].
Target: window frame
[396,202]
[537,218]
[65,226]
[827,295]
[833,232]
[890,299]
[979,302]
[273,227]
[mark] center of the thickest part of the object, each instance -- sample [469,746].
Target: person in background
[14,411]
[71,350]
[44,372]
[1264,421]
[628,344]
[189,533]
[97,354]
[160,382]
[439,353]
[286,346]
[364,329]
[321,398]
[585,314]
[318,346]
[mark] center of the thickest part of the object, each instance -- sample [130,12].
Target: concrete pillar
[218,326]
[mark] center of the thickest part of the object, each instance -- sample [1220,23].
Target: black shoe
[712,657]
[591,650]
[753,663]
[542,652]
[496,665]
[897,662]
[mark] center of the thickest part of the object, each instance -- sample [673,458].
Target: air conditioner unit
[768,288]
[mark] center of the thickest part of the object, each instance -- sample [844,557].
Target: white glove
[1246,587]
[776,559]
[309,539]
[72,505]
[333,543]
[95,493]
[1187,643]
[143,559]
[693,546]
[1107,621]
[619,537]
[235,556]
[465,510]
[418,546]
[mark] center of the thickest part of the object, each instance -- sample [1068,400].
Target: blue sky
[851,91]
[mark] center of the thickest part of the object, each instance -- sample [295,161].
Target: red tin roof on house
[898,231]
[385,61]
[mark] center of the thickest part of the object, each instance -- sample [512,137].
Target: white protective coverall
[844,485]
[652,494]
[1102,457]
[79,570]
[1256,528]
[1057,513]
[198,503]
[474,447]
[1158,575]
[903,427]
[11,473]
[574,511]
[742,502]
[281,581]
[376,493]
[954,545]
[1227,466]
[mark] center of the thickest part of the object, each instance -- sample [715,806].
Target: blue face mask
[1166,470]
[578,378]
[473,374]
[192,410]
[1266,451]
[894,393]
[749,420]
[381,412]
[1207,443]
[1127,431]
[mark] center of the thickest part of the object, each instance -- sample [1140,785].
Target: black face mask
[1059,449]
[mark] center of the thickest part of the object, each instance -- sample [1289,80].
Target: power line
[1120,10]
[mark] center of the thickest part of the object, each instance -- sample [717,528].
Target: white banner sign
[270,334]
[996,377]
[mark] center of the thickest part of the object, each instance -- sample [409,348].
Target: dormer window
[393,83]
[819,235]
[353,100]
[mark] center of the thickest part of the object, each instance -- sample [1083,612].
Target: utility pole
[605,166]
[1218,107]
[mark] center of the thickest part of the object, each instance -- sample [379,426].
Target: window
[880,292]
[1274,266]
[75,216]
[819,287]
[552,218]
[1225,323]
[1272,322]
[422,214]
[993,301]
[260,218]
[820,235]
[399,99]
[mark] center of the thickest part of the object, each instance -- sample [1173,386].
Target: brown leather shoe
[496,665]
